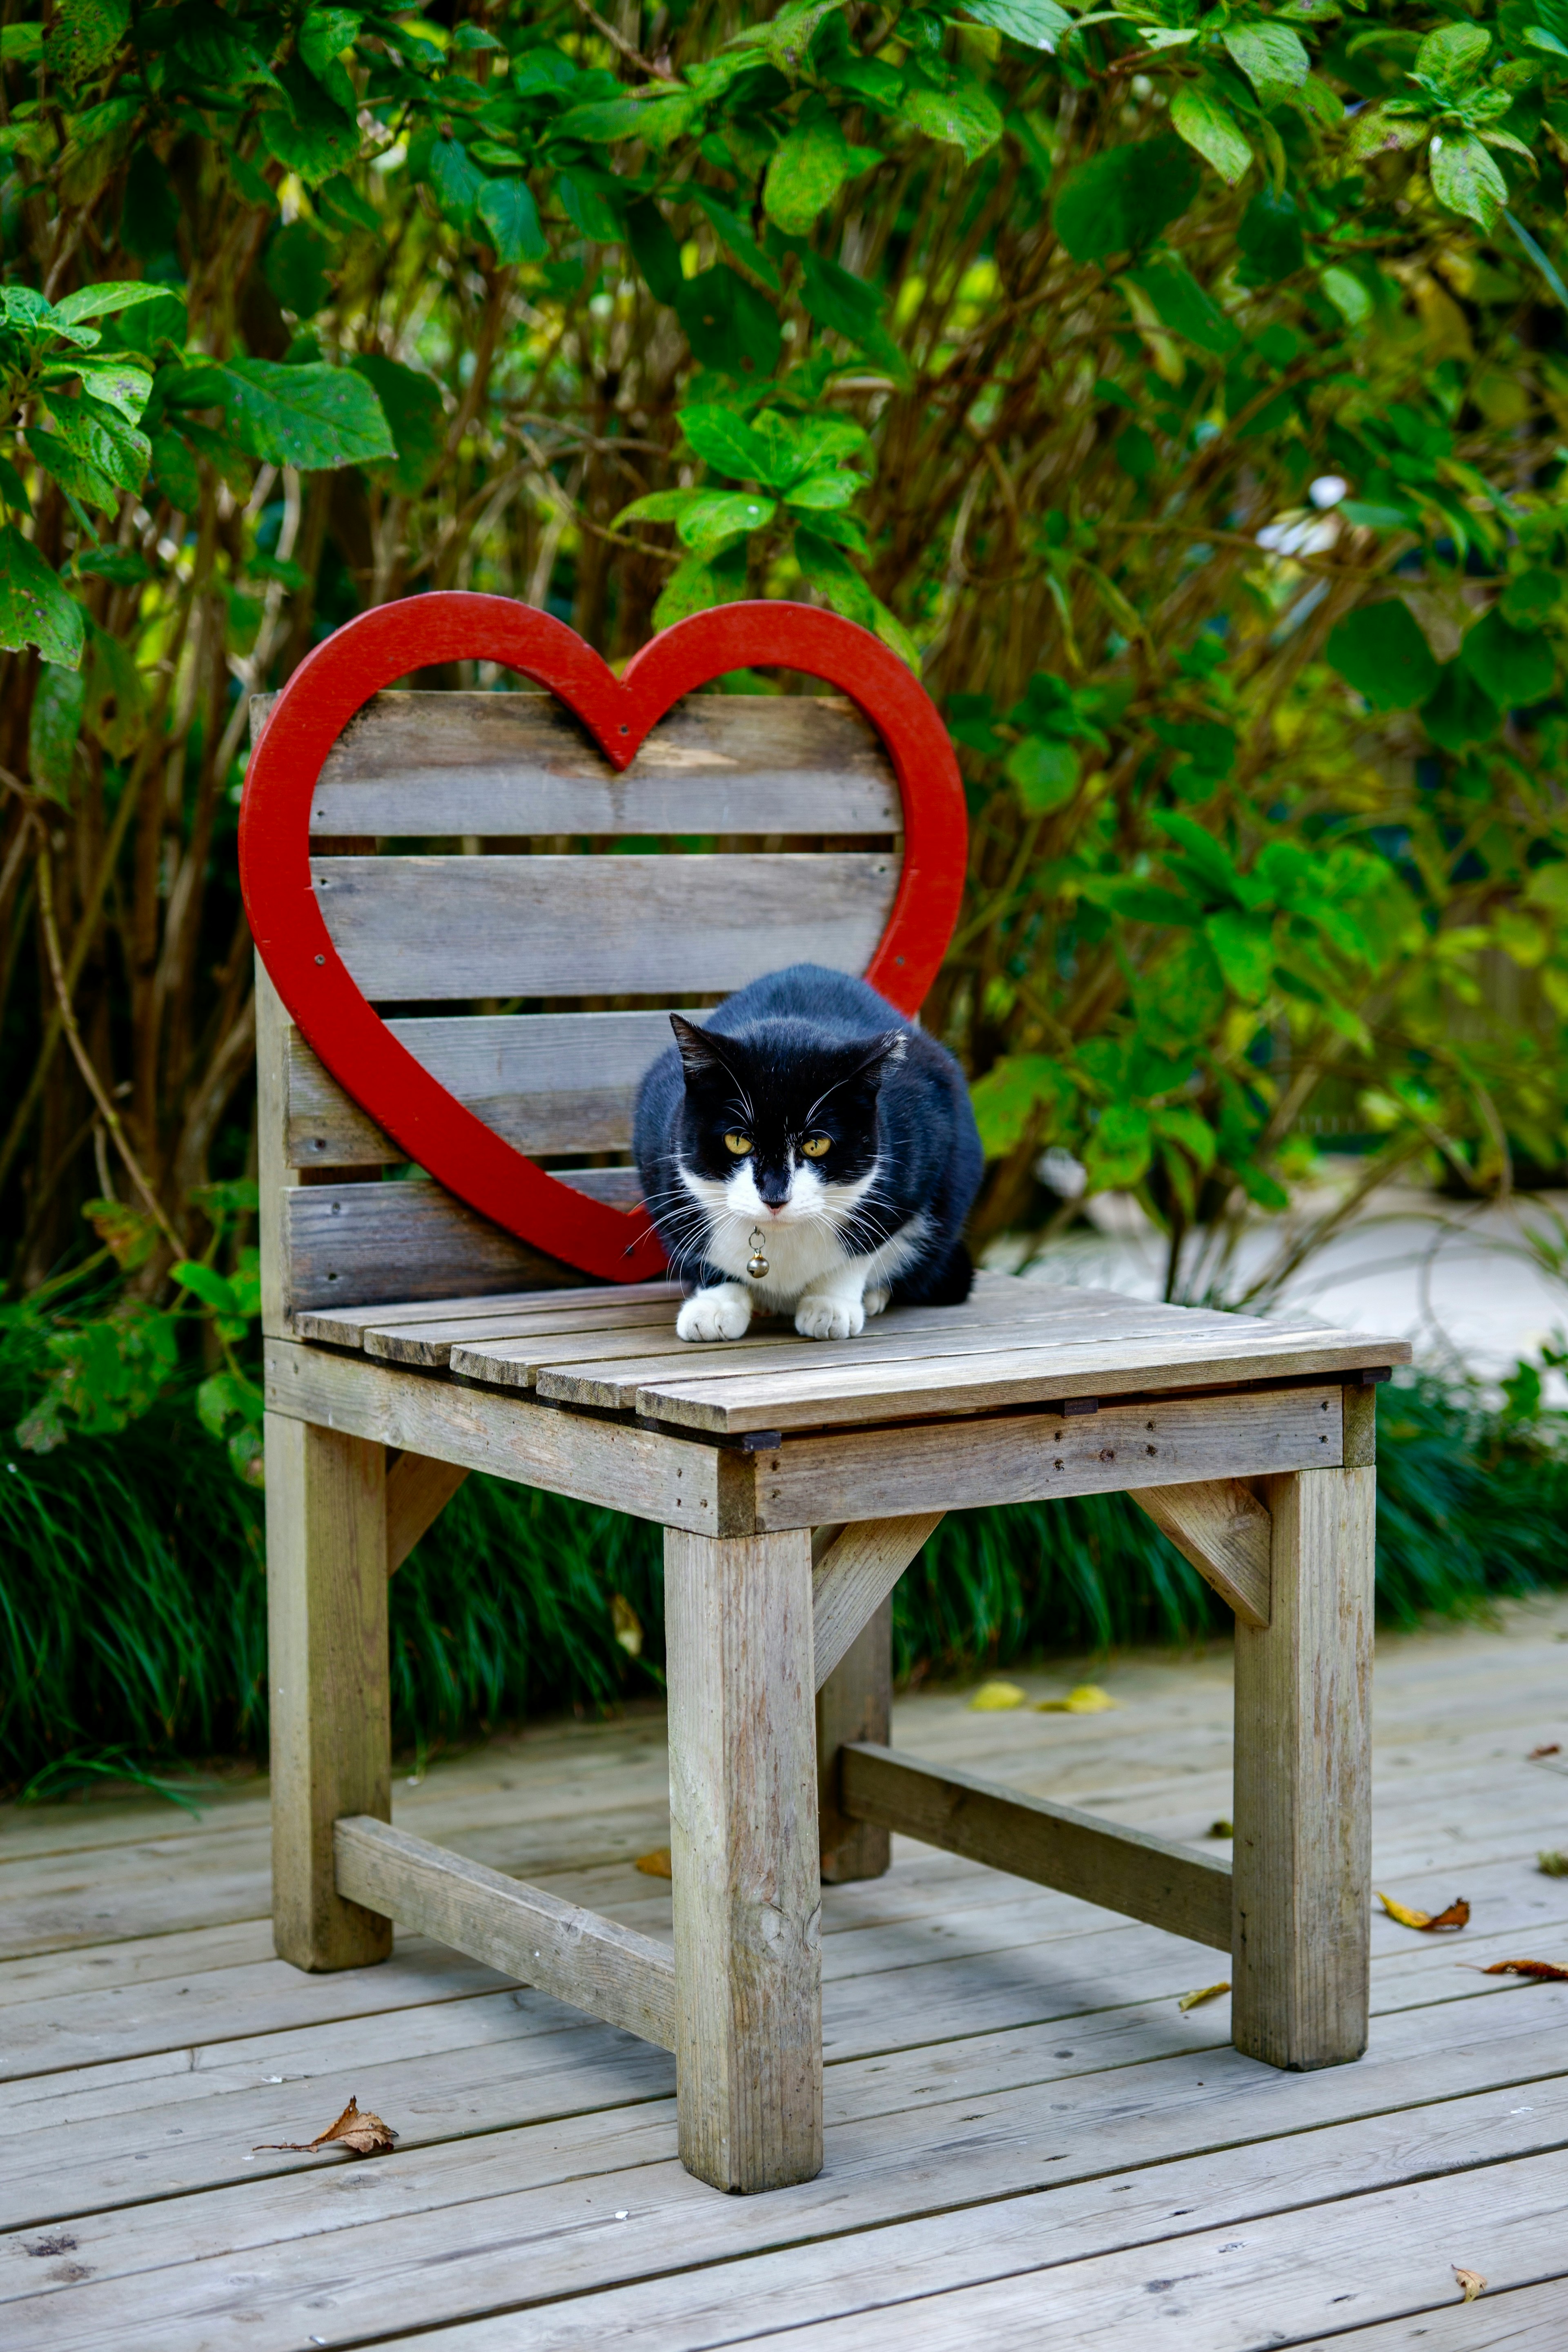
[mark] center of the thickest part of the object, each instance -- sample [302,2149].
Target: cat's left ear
[874,1066]
[700,1057]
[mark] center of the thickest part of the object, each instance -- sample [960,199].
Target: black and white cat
[810,1127]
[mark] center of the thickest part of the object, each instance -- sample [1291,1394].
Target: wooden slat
[412,928]
[571,1954]
[548,1082]
[640,1471]
[848,1392]
[854,1578]
[1123,1870]
[345,1326]
[519,764]
[418,1491]
[1226,1533]
[361,1243]
[1303,1781]
[855,1702]
[328,1691]
[747,1895]
[960,1465]
[622,1366]
[431,1344]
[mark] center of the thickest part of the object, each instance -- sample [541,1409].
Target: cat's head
[779,1125]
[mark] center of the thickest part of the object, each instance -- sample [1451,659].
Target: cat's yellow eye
[816,1146]
[737,1143]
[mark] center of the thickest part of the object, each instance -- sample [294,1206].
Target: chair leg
[743,1841]
[1303,1781]
[328,1680]
[856,1702]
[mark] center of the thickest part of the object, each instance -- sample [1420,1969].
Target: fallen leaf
[656,1864]
[1222,1828]
[1471,2282]
[1553,1748]
[1545,1971]
[1458,1915]
[1204,1992]
[1556,1866]
[626,1623]
[364,2135]
[992,1698]
[1087,1699]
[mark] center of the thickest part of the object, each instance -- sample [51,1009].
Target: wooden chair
[408,1341]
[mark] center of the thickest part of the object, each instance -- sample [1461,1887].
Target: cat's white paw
[722,1313]
[829,1319]
[875,1301]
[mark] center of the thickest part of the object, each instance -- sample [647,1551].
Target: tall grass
[133,1584]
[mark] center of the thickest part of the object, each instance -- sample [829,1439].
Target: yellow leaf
[1457,1915]
[1471,2283]
[657,1863]
[992,1698]
[626,1623]
[1087,1698]
[1204,1992]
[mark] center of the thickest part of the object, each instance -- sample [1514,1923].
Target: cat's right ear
[700,1057]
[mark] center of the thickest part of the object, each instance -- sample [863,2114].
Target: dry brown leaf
[1556,1866]
[1458,1915]
[1553,1748]
[364,2135]
[626,1625]
[1543,1971]
[1471,2283]
[1204,1992]
[657,1863]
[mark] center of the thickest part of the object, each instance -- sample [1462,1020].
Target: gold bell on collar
[757,1264]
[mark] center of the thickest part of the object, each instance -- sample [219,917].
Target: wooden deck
[1029,2142]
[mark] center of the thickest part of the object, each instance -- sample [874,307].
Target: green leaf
[82,36]
[1037,23]
[12,490]
[1270,237]
[1271,57]
[660,119]
[729,324]
[1464,176]
[829,571]
[34,609]
[1021,1095]
[1450,58]
[1117,1152]
[654,249]
[204,1281]
[506,210]
[105,301]
[1460,712]
[116,702]
[1514,667]
[1531,597]
[1381,652]
[716,515]
[827,492]
[176,473]
[847,307]
[415,417]
[1199,116]
[657,506]
[1244,947]
[696,585]
[53,728]
[1180,302]
[295,266]
[1378,132]
[967,119]
[118,382]
[733,233]
[1121,199]
[728,444]
[456,179]
[1044,772]
[1348,295]
[806,172]
[1181,1124]
[316,136]
[314,417]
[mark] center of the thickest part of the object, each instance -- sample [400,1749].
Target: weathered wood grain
[854,1702]
[345,1326]
[1303,1781]
[1360,1426]
[526,1932]
[548,1082]
[518,764]
[432,1343]
[1226,1533]
[417,928]
[275,1178]
[418,1491]
[855,1576]
[327,1686]
[862,1390]
[960,1465]
[641,1471]
[362,1243]
[743,1849]
[1125,1870]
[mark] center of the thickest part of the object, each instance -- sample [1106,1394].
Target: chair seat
[1012,1343]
